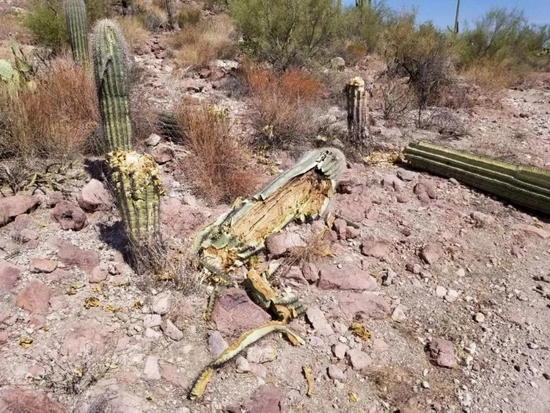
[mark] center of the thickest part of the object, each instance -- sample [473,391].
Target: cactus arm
[77,29]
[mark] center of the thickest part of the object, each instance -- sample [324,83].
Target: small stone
[259,370]
[310,272]
[242,364]
[425,385]
[440,291]
[216,343]
[69,216]
[359,359]
[336,374]
[452,296]
[151,320]
[161,303]
[405,175]
[99,273]
[171,330]
[317,319]
[94,196]
[399,314]
[27,235]
[460,272]
[442,352]
[153,140]
[153,334]
[389,277]
[339,350]
[480,318]
[260,355]
[151,370]
[43,265]
[34,297]
[431,253]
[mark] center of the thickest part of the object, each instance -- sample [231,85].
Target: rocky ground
[451,285]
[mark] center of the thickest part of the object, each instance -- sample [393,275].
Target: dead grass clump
[196,45]
[316,248]
[491,76]
[54,120]
[218,165]
[284,106]
[134,32]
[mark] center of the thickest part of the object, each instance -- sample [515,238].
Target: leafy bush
[219,165]
[286,32]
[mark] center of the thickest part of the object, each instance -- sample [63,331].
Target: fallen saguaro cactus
[527,186]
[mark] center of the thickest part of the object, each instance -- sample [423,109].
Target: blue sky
[442,12]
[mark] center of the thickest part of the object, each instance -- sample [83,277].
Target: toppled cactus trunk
[527,186]
[138,189]
[111,75]
[301,192]
[77,29]
[357,110]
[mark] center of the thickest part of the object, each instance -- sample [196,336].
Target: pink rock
[340,227]
[377,248]
[170,373]
[392,182]
[12,206]
[357,305]
[69,216]
[442,352]
[280,243]
[43,265]
[171,330]
[22,222]
[353,207]
[35,297]
[532,229]
[359,359]
[425,190]
[58,275]
[180,220]
[346,278]
[58,302]
[431,253]
[9,276]
[311,272]
[17,399]
[162,153]
[295,277]
[99,273]
[266,399]
[85,337]
[151,370]
[234,313]
[54,199]
[86,260]
[26,235]
[4,336]
[94,196]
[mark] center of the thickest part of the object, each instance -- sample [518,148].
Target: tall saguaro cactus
[111,75]
[456,16]
[135,177]
[77,28]
[357,110]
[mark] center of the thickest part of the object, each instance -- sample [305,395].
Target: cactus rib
[77,28]
[524,185]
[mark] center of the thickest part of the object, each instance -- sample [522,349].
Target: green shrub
[287,32]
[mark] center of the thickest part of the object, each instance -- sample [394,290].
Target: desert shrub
[153,16]
[54,120]
[287,32]
[46,21]
[218,166]
[285,106]
[189,17]
[208,40]
[423,55]
[134,32]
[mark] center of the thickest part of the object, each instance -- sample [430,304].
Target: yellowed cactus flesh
[138,189]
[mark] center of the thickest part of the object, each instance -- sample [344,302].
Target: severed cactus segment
[111,75]
[301,192]
[357,110]
[527,186]
[138,189]
[77,28]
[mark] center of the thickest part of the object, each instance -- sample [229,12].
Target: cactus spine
[527,186]
[111,75]
[357,110]
[135,177]
[77,28]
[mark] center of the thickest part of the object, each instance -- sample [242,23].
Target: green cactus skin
[138,189]
[77,28]
[110,58]
[357,110]
[527,186]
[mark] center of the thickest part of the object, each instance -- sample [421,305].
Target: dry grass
[196,45]
[285,106]
[219,165]
[492,77]
[55,120]
[134,31]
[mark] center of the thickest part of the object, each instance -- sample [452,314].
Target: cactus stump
[357,111]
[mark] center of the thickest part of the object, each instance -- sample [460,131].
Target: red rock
[353,207]
[295,277]
[85,337]
[234,313]
[20,400]
[9,276]
[340,226]
[376,248]
[99,273]
[280,243]
[43,265]
[26,235]
[35,297]
[179,220]
[358,305]
[346,278]
[94,196]
[69,216]
[392,182]
[532,229]
[172,376]
[12,206]
[311,272]
[86,260]
[442,352]
[59,302]
[431,253]
[58,275]
[266,399]
[22,222]
[425,190]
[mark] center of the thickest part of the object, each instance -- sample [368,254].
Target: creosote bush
[285,106]
[53,121]
[219,164]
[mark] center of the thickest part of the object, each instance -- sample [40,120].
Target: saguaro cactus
[77,28]
[172,24]
[524,185]
[111,75]
[357,110]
